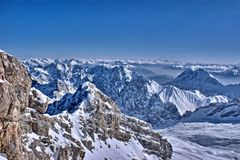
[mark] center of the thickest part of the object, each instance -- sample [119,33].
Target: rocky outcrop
[14,89]
[101,119]
[83,125]
[38,100]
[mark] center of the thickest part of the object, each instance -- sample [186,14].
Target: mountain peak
[86,93]
[87,86]
[197,79]
[198,73]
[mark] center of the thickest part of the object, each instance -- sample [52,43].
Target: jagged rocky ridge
[136,95]
[94,129]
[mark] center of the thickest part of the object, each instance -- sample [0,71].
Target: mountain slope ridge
[134,94]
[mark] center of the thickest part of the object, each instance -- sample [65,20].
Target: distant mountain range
[136,94]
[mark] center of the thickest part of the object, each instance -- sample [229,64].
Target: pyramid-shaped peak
[197,76]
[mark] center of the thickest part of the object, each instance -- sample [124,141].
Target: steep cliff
[14,90]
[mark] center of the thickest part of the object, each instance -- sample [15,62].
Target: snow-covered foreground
[118,150]
[204,141]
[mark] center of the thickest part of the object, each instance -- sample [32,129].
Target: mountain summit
[197,79]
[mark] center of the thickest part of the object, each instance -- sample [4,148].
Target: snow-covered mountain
[215,113]
[186,100]
[92,123]
[135,94]
[90,126]
[200,79]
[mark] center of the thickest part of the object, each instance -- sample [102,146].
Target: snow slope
[187,100]
[215,113]
[2,157]
[118,150]
[91,121]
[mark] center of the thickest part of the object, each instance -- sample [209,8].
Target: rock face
[83,125]
[14,89]
[99,119]
[38,101]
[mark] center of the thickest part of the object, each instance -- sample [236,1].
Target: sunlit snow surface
[2,157]
[114,149]
[204,141]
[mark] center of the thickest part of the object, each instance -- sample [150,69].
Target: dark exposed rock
[38,101]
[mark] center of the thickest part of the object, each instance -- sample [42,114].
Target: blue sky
[185,30]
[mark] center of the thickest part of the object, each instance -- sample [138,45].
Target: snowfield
[118,150]
[204,141]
